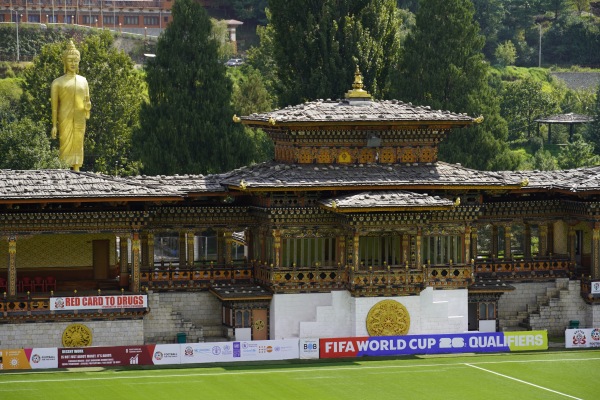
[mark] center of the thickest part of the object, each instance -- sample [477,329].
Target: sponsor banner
[596,287]
[98,302]
[309,348]
[582,338]
[41,358]
[13,359]
[261,350]
[196,353]
[433,344]
[103,356]
[165,354]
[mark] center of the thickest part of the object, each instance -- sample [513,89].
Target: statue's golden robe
[72,93]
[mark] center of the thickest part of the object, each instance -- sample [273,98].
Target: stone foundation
[104,333]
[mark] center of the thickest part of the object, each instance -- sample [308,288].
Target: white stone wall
[197,314]
[340,315]
[566,306]
[524,294]
[289,310]
[104,333]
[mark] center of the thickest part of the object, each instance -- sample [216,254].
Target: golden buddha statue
[71,107]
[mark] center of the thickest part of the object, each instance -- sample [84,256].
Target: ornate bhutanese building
[355,210]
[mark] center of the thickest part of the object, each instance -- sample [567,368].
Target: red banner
[98,302]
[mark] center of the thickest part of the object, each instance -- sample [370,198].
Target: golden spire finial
[357,87]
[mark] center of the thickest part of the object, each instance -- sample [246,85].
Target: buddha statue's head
[71,56]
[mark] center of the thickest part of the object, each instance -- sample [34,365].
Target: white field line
[165,375]
[522,381]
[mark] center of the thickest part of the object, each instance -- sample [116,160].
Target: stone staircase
[551,310]
[163,324]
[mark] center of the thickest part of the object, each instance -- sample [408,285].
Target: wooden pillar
[144,246]
[596,251]
[467,245]
[494,241]
[571,244]
[550,238]
[418,249]
[12,267]
[405,248]
[220,246]
[543,246]
[277,257]
[356,250]
[227,241]
[473,243]
[182,252]
[150,249]
[135,263]
[527,241]
[123,255]
[190,248]
[507,243]
[341,242]
[250,243]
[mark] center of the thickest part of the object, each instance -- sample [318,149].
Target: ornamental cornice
[523,208]
[74,221]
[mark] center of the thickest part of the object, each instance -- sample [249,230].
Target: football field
[540,375]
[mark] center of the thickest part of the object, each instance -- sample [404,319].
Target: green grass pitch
[539,375]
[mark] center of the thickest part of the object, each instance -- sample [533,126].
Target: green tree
[24,144]
[318,44]
[187,126]
[10,92]
[489,14]
[581,5]
[523,101]
[250,95]
[577,154]
[544,161]
[116,91]
[593,129]
[442,66]
[506,54]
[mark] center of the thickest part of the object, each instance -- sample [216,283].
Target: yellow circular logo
[77,335]
[388,318]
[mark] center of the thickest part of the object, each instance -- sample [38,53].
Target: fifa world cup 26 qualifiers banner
[433,344]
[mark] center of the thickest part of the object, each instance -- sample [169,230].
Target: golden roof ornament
[236,119]
[478,120]
[357,91]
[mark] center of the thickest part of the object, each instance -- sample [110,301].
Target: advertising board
[433,344]
[582,338]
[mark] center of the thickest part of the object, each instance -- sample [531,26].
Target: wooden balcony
[301,279]
[199,277]
[525,270]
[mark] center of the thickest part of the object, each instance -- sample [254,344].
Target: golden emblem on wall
[344,157]
[388,318]
[77,335]
[259,325]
